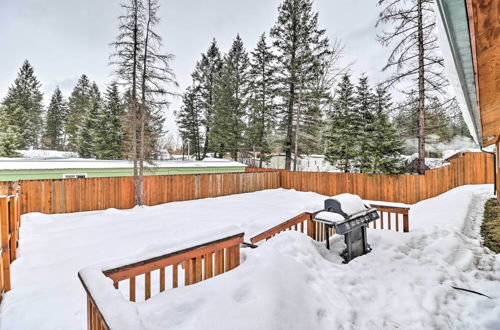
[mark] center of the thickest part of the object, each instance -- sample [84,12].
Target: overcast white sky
[65,38]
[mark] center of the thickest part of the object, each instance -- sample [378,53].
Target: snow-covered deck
[290,282]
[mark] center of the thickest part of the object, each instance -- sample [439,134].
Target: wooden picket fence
[76,195]
[471,168]
[9,234]
[185,267]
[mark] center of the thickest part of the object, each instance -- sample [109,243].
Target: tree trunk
[137,185]
[143,114]
[297,126]
[421,93]
[289,130]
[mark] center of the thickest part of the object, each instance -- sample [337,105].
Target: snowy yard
[289,282]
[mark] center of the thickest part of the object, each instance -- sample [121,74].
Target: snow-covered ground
[289,282]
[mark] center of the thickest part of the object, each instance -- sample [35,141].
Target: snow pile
[430,162]
[46,291]
[289,282]
[433,144]
[46,154]
[210,159]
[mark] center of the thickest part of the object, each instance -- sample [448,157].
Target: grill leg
[348,249]
[366,246]
[327,237]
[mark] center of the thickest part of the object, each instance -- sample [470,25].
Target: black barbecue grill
[349,215]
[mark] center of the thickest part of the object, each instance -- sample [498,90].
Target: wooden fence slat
[147,285]
[162,279]
[132,288]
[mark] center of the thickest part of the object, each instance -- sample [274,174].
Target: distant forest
[288,94]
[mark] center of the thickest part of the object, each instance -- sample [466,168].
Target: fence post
[311,227]
[12,228]
[406,223]
[4,221]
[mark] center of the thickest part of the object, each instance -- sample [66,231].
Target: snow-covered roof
[32,164]
[447,154]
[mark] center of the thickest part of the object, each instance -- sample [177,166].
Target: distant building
[33,169]
[305,163]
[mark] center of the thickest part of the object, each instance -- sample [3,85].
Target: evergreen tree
[79,104]
[86,144]
[23,108]
[231,101]
[155,129]
[262,115]
[189,121]
[300,45]
[365,125]
[206,73]
[458,125]
[441,121]
[386,145]
[341,136]
[9,137]
[53,136]
[110,137]
[9,142]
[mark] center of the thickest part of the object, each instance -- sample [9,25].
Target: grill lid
[329,217]
[346,204]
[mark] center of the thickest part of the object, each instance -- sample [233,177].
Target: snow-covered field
[289,282]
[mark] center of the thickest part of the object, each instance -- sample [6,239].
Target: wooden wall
[484,28]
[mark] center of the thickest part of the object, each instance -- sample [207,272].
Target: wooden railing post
[406,223]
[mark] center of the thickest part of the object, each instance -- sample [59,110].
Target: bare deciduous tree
[414,57]
[144,70]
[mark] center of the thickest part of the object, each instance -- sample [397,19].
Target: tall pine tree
[341,136]
[86,144]
[262,112]
[53,136]
[9,137]
[206,73]
[364,126]
[110,136]
[189,121]
[385,144]
[231,101]
[23,108]
[79,104]
[300,45]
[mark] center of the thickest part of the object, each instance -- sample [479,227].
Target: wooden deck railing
[300,223]
[184,267]
[9,237]
[391,218]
